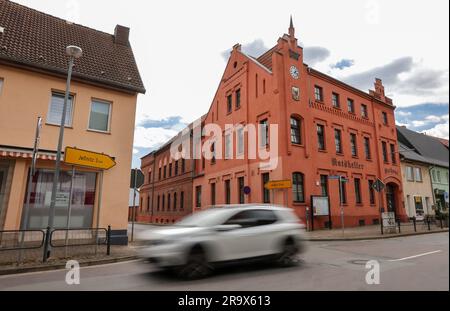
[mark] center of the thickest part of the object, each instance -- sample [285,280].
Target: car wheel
[196,266]
[289,255]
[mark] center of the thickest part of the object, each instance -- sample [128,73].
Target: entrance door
[390,198]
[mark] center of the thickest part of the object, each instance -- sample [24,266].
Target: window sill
[297,145]
[299,203]
[58,125]
[359,204]
[98,131]
[337,108]
[339,154]
[322,150]
[355,157]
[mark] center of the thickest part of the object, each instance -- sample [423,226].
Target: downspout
[431,183]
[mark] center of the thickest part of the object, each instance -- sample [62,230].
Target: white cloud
[418,123]
[152,137]
[440,130]
[403,113]
[135,151]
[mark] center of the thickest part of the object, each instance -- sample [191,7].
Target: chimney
[121,34]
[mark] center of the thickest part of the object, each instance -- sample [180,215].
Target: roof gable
[38,40]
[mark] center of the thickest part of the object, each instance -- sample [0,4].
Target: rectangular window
[371,192]
[384,148]
[438,176]
[198,196]
[158,203]
[1,85]
[213,194]
[227,192]
[418,174]
[353,145]
[241,190]
[240,141]
[148,203]
[367,148]
[264,132]
[149,177]
[409,173]
[81,198]
[266,192]
[238,98]
[168,202]
[350,105]
[357,183]
[56,108]
[165,171]
[229,103]
[100,115]
[182,200]
[337,140]
[175,198]
[213,153]
[163,203]
[298,187]
[318,93]
[393,158]
[295,131]
[159,174]
[335,100]
[433,175]
[384,118]
[183,166]
[364,112]
[228,154]
[170,169]
[321,136]
[324,184]
[343,193]
[176,167]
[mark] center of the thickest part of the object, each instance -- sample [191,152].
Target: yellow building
[100,117]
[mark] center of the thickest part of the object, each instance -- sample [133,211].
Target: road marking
[415,256]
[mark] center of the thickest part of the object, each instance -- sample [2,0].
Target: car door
[252,239]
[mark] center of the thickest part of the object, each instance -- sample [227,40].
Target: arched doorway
[391,198]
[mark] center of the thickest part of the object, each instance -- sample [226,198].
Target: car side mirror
[222,228]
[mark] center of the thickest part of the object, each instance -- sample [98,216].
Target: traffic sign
[74,156]
[278,184]
[378,185]
[139,178]
[247,190]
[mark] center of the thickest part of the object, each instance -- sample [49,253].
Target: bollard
[398,223]
[428,222]
[46,245]
[440,220]
[381,226]
[414,223]
[108,241]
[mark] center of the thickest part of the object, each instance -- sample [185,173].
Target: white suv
[197,243]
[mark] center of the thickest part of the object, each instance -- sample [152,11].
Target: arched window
[298,189]
[296,137]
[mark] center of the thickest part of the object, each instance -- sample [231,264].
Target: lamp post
[73,52]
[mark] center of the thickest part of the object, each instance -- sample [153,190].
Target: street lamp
[73,52]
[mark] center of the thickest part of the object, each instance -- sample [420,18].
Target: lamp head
[74,51]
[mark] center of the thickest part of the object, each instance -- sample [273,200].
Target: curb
[59,266]
[380,237]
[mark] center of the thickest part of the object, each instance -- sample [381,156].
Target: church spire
[291,29]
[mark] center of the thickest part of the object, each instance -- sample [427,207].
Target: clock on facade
[294,72]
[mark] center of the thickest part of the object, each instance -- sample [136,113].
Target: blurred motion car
[197,244]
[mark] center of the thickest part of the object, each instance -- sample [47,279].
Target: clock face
[294,72]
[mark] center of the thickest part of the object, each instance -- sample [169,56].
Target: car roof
[250,206]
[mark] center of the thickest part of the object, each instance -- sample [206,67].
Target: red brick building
[325,127]
[166,194]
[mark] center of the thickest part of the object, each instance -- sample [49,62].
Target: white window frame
[240,141]
[408,168]
[418,169]
[228,148]
[71,111]
[102,101]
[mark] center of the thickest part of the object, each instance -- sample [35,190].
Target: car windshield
[211,217]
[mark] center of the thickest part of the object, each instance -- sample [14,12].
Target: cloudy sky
[181,48]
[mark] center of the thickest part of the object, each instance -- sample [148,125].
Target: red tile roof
[37,40]
[266,58]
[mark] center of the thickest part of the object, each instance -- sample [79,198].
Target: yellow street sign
[74,156]
[278,184]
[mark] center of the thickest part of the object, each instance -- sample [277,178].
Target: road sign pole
[134,204]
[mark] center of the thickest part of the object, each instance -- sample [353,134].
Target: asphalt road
[406,263]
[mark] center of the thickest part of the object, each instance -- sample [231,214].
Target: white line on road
[415,256]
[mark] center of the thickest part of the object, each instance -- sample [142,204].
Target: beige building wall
[413,189]
[26,95]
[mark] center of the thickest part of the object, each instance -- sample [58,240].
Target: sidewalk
[118,254]
[368,232]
